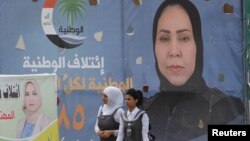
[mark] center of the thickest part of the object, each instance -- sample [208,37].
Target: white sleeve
[120,132]
[96,123]
[145,126]
[117,117]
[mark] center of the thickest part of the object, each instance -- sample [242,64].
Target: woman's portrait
[184,105]
[35,120]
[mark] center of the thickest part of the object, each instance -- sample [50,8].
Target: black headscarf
[196,81]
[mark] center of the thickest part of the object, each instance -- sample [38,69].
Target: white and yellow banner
[28,107]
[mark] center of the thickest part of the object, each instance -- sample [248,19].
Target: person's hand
[107,133]
[100,133]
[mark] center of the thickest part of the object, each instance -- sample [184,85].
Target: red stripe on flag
[49,3]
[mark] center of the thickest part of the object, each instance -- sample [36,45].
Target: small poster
[28,107]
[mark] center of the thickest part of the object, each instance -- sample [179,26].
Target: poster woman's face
[175,48]
[31,98]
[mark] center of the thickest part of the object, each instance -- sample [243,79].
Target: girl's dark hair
[136,94]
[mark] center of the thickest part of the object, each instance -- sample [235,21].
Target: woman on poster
[185,105]
[35,120]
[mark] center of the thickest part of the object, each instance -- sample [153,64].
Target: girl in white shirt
[134,124]
[107,122]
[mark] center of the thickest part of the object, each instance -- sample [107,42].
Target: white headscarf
[115,100]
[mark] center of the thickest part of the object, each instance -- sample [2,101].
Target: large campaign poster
[28,101]
[109,42]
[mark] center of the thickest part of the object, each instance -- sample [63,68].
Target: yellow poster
[28,107]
